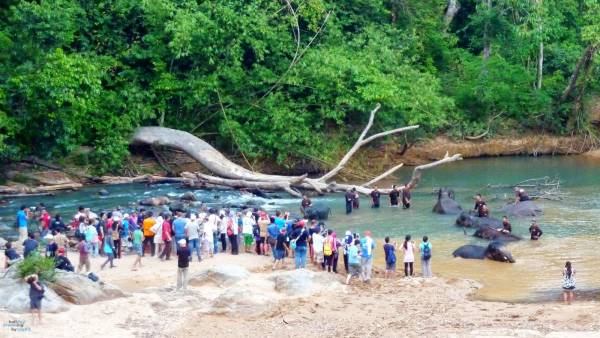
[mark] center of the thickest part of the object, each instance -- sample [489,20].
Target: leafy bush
[42,266]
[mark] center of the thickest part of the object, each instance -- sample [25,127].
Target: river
[570,226]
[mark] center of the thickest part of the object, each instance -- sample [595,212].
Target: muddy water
[571,227]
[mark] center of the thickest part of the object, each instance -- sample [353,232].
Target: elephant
[468,220]
[155,201]
[181,206]
[490,233]
[522,209]
[493,251]
[318,212]
[446,203]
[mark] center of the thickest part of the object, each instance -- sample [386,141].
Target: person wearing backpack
[425,248]
[329,247]
[409,256]
[85,248]
[390,257]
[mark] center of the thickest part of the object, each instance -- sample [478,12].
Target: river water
[570,226]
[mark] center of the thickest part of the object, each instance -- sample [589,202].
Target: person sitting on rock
[10,255]
[535,230]
[521,195]
[506,226]
[63,263]
[484,211]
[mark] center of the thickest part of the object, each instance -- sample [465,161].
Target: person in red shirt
[45,221]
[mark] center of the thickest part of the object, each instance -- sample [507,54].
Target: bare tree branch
[382,176]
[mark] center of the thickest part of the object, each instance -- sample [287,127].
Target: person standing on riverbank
[147,225]
[390,258]
[137,247]
[247,226]
[425,249]
[375,197]
[193,231]
[353,261]
[109,249]
[183,263]
[166,236]
[22,217]
[367,245]
[568,283]
[299,244]
[36,293]
[84,247]
[409,256]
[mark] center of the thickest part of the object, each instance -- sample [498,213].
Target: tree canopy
[287,79]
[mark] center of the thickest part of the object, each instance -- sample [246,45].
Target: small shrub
[42,266]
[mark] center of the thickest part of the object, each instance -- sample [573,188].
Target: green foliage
[87,73]
[36,264]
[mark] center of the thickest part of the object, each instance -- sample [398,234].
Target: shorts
[248,239]
[319,256]
[390,266]
[138,249]
[279,254]
[35,304]
[354,270]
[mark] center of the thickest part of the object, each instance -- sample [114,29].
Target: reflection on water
[570,226]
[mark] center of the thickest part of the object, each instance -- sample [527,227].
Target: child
[137,247]
[183,263]
[353,261]
[390,257]
[36,293]
[281,248]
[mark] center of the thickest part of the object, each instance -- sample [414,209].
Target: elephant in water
[468,220]
[522,209]
[155,201]
[446,203]
[490,233]
[318,212]
[493,251]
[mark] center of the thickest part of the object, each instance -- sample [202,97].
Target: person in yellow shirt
[147,225]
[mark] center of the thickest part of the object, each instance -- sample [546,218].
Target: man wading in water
[375,196]
[350,195]
[394,194]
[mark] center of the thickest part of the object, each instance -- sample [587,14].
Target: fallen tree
[226,173]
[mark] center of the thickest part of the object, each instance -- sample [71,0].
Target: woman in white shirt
[408,247]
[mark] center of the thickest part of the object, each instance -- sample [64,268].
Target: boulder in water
[155,201]
[79,289]
[103,192]
[180,206]
[219,275]
[188,196]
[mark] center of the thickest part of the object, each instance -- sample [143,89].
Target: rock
[220,275]
[79,289]
[180,206]
[49,177]
[103,192]
[2,242]
[303,282]
[155,201]
[14,296]
[188,196]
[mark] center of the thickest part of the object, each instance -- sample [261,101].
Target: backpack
[426,252]
[391,257]
[327,251]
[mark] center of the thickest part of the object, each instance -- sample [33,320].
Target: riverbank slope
[395,307]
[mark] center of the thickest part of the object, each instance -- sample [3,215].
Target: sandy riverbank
[396,307]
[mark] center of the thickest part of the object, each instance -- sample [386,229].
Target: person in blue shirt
[353,261]
[22,217]
[30,245]
[279,220]
[367,245]
[272,233]
[179,228]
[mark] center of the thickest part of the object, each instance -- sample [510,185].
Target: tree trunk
[451,10]
[582,64]
[540,66]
